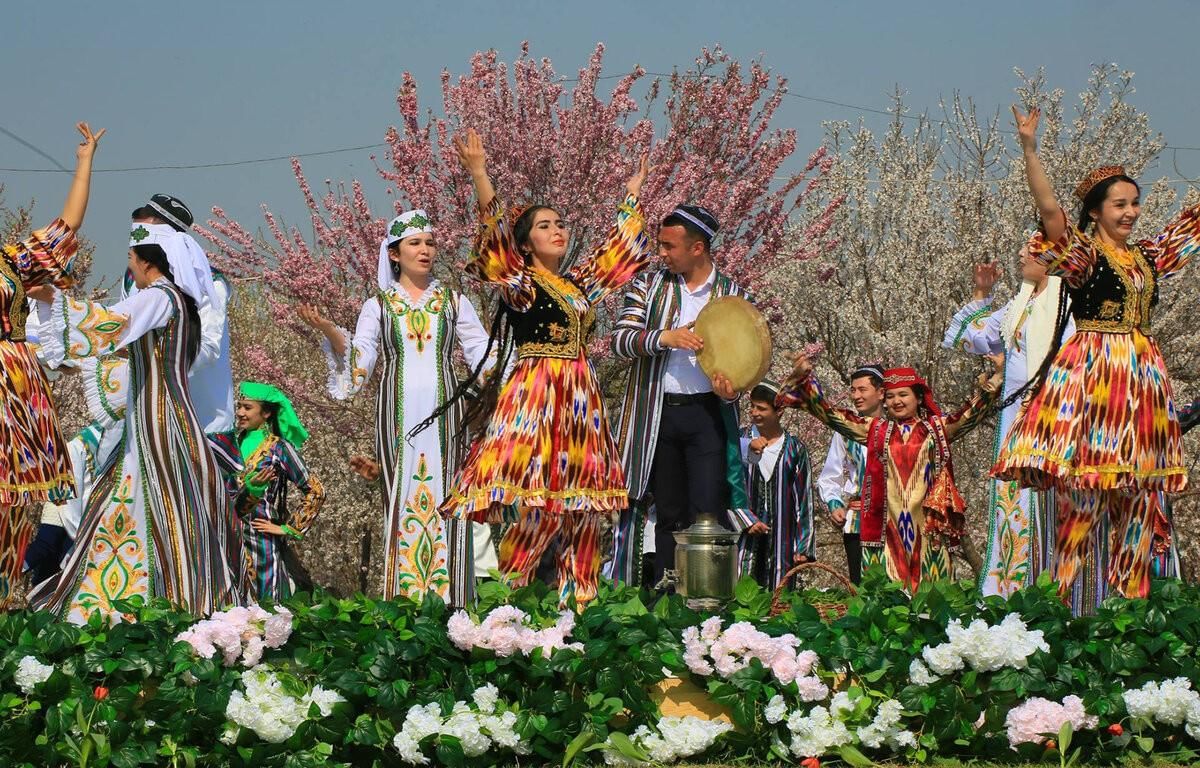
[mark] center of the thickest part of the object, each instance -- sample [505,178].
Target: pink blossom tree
[713,145]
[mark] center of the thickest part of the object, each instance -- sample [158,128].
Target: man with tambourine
[678,427]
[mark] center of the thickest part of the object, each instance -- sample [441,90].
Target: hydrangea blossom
[1030,722]
[982,647]
[477,728]
[273,714]
[919,674]
[1171,702]
[672,739]
[885,730]
[31,673]
[508,630]
[709,650]
[241,633]
[817,732]
[775,710]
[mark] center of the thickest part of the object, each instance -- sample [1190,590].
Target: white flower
[919,674]
[1171,702]
[485,698]
[816,733]
[676,738]
[31,673]
[885,730]
[269,711]
[775,710]
[229,736]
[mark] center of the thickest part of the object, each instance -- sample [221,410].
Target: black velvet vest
[552,326]
[1108,302]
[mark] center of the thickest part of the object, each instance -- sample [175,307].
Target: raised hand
[87,147]
[471,155]
[312,317]
[985,277]
[1027,126]
[801,368]
[634,185]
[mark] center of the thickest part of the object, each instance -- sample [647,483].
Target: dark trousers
[689,472]
[853,556]
[45,553]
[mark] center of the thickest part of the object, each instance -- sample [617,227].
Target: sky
[222,81]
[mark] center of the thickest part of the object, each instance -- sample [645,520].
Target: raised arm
[77,196]
[975,328]
[1035,175]
[350,361]
[971,413]
[803,391]
[473,158]
[89,329]
[1178,243]
[625,249]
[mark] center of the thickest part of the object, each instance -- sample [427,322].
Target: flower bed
[326,681]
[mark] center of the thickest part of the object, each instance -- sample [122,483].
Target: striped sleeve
[45,257]
[625,251]
[630,337]
[496,260]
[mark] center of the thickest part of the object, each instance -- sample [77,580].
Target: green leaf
[853,757]
[627,748]
[1064,737]
[745,590]
[579,742]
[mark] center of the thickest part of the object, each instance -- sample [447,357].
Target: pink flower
[1031,721]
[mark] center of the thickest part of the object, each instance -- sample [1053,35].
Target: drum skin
[737,341]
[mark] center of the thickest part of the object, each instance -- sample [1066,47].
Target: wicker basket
[830,611]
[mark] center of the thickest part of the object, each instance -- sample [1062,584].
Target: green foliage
[165,706]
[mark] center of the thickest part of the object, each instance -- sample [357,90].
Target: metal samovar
[706,564]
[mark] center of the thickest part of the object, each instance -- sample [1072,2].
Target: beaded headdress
[1097,176]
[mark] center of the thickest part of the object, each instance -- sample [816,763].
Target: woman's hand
[312,317]
[634,185]
[471,155]
[87,147]
[985,277]
[801,368]
[365,467]
[992,384]
[266,526]
[1027,126]
[263,476]
[43,293]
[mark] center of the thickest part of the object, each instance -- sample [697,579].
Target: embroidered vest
[553,326]
[1109,302]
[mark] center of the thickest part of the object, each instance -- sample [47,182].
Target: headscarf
[407,224]
[290,428]
[898,378]
[189,264]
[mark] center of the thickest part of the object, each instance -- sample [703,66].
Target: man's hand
[838,516]
[681,338]
[723,387]
[758,529]
[758,444]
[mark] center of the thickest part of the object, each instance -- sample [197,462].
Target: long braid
[1039,378]
[480,406]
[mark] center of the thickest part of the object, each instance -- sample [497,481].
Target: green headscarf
[290,428]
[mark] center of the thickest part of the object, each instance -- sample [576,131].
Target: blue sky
[220,80]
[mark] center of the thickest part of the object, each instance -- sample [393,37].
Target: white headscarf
[407,224]
[188,262]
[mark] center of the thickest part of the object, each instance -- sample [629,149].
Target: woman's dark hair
[394,248]
[481,399]
[146,212]
[1096,196]
[1039,377]
[523,226]
[154,255]
[271,414]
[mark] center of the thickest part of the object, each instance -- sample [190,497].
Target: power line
[276,158]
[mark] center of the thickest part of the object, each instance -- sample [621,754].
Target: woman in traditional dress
[34,465]
[1020,522]
[1101,428]
[159,522]
[547,451]
[413,326]
[269,436]
[912,512]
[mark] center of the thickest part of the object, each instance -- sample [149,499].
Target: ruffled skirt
[547,445]
[34,464]
[1104,419]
